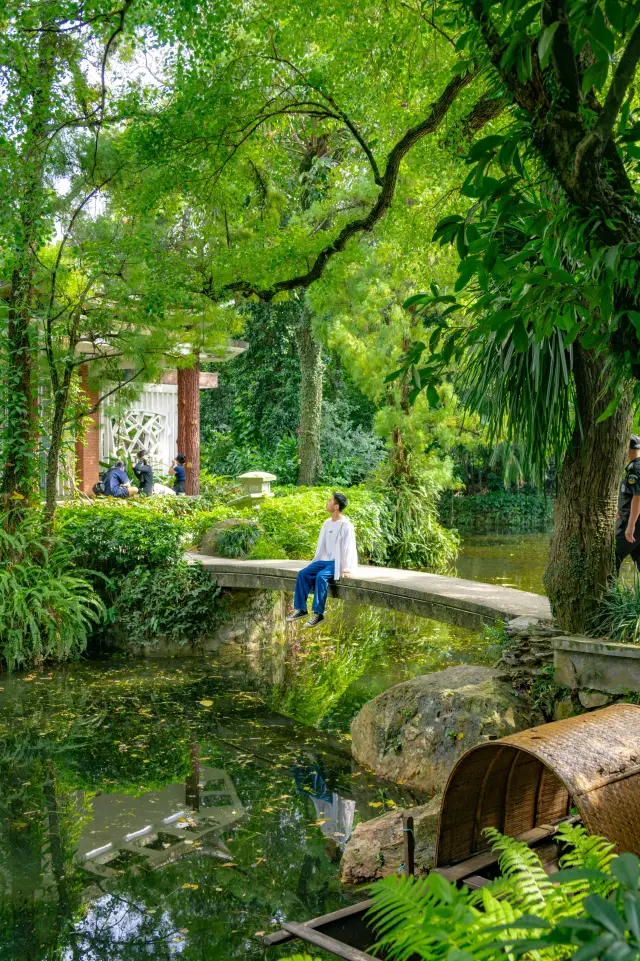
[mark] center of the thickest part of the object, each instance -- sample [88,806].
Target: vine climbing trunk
[189,425]
[582,545]
[19,435]
[311,369]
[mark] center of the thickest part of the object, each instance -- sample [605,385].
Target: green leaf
[577,874]
[467,271]
[611,257]
[433,396]
[606,414]
[595,76]
[632,913]
[484,146]
[520,337]
[626,868]
[461,243]
[417,299]
[544,46]
[605,914]
[614,14]
[600,31]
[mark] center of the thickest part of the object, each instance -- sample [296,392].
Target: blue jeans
[314,577]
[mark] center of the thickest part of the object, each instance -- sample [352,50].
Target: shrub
[497,510]
[47,608]
[618,617]
[119,538]
[415,538]
[349,453]
[238,541]
[266,548]
[178,602]
[293,519]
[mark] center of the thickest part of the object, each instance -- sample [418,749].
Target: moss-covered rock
[415,732]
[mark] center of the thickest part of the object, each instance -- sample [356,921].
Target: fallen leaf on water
[205,703]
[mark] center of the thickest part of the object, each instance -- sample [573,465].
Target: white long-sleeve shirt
[337,542]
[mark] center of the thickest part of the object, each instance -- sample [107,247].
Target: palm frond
[525,398]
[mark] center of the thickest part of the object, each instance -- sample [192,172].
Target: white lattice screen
[151,425]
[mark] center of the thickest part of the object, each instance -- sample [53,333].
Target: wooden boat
[585,769]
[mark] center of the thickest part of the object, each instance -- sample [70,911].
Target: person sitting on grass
[116,483]
[336,556]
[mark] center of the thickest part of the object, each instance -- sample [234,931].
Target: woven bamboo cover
[591,762]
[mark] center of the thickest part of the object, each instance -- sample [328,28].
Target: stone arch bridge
[451,599]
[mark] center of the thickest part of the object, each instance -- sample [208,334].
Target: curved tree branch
[617,92]
[429,125]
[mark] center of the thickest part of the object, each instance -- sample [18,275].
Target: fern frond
[530,888]
[584,850]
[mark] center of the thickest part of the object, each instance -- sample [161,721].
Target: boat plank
[320,940]
[280,937]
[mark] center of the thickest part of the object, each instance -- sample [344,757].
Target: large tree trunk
[311,369]
[582,545]
[189,425]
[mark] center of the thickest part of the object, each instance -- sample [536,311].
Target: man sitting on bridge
[336,556]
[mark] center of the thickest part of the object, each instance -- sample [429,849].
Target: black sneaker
[296,616]
[314,620]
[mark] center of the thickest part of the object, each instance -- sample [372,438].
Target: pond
[185,807]
[512,560]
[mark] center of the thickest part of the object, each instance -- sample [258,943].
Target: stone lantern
[257,486]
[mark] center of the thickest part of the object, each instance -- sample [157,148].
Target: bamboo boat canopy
[537,777]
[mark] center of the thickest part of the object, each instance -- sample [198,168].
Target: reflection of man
[336,556]
[335,812]
[627,528]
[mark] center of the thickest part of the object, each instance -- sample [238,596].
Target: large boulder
[376,847]
[415,732]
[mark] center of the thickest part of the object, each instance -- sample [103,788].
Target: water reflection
[148,810]
[323,677]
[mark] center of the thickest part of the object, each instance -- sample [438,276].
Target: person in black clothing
[180,474]
[627,523]
[144,474]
